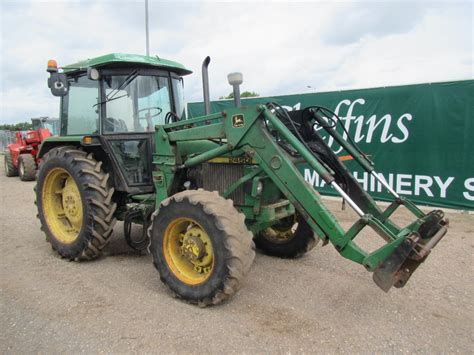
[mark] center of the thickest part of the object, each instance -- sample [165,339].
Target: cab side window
[80,112]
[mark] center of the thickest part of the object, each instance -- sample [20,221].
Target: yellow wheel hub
[188,251]
[62,205]
[281,233]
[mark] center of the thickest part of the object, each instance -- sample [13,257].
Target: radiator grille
[218,177]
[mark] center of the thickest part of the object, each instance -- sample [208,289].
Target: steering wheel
[158,109]
[148,117]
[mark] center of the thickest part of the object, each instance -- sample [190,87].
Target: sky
[280,47]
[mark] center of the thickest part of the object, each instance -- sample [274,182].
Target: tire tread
[10,169]
[98,195]
[238,243]
[29,167]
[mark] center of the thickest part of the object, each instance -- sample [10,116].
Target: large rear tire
[201,246]
[290,238]
[74,200]
[10,169]
[26,167]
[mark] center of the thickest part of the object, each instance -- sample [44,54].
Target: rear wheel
[290,238]
[74,202]
[26,167]
[10,169]
[201,246]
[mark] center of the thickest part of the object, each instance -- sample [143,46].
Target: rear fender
[54,142]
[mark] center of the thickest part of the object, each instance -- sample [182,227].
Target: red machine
[21,156]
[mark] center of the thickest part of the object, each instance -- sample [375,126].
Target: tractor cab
[118,100]
[51,124]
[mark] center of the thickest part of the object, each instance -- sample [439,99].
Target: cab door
[134,102]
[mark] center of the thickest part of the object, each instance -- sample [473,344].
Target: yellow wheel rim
[188,251]
[62,205]
[281,233]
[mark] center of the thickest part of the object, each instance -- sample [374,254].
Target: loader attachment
[398,267]
[407,247]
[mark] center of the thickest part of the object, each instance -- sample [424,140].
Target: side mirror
[58,84]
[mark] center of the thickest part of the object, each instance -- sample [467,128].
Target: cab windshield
[136,103]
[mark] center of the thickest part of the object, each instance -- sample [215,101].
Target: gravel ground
[320,303]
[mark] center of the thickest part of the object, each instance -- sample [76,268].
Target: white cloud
[375,19]
[280,47]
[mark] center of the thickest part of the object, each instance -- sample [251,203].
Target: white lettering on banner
[423,182]
[373,124]
[402,128]
[384,129]
[291,108]
[443,186]
[362,181]
[403,180]
[403,184]
[468,185]
[313,178]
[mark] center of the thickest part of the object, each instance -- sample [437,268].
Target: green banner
[419,136]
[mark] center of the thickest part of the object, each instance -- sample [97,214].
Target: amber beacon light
[52,66]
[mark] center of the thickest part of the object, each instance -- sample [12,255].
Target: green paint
[55,141]
[419,137]
[131,60]
[250,136]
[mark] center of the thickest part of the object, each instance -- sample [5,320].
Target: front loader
[205,189]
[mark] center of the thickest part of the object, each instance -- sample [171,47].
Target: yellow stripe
[233,160]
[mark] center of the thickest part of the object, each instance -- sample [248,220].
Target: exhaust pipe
[205,85]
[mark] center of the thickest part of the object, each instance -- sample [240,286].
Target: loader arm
[276,148]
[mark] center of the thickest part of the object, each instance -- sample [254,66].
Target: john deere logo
[237,121]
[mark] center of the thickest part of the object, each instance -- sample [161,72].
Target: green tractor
[204,190]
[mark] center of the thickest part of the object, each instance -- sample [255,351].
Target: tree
[22,126]
[242,95]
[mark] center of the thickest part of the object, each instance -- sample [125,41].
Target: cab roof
[129,60]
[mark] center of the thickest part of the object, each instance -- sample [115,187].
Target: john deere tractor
[205,190]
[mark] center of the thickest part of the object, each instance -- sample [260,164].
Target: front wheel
[291,237]
[74,201]
[201,246]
